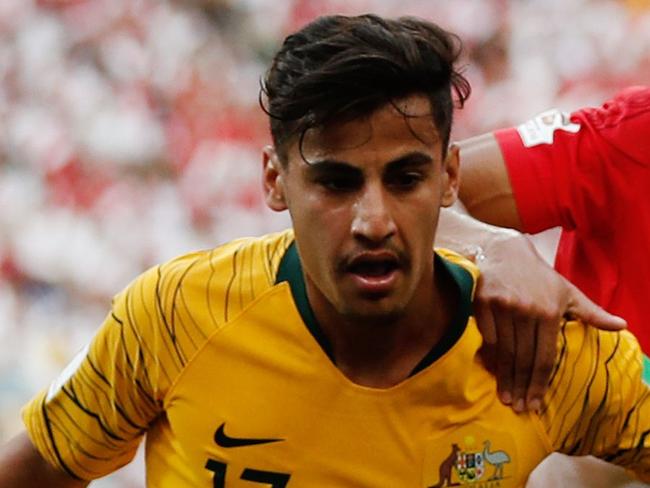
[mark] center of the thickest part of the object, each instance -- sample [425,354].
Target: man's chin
[375,316]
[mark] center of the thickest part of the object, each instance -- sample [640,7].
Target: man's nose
[373,220]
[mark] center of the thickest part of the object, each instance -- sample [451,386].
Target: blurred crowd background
[130,132]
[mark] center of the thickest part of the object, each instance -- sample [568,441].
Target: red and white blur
[130,132]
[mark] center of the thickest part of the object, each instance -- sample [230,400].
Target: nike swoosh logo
[224,440]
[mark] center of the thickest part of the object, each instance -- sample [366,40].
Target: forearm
[21,466]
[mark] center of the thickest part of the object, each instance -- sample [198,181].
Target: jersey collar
[290,270]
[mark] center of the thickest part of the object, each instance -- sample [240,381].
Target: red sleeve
[570,171]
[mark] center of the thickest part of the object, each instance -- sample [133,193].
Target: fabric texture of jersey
[590,175]
[216,356]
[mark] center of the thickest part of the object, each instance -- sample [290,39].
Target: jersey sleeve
[570,171]
[597,402]
[90,421]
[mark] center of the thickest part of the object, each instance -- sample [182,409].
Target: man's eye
[339,185]
[405,181]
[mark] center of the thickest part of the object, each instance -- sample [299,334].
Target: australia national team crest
[471,457]
[470,466]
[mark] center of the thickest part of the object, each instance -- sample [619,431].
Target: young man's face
[364,207]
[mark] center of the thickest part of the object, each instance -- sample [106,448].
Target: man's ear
[451,176]
[273,180]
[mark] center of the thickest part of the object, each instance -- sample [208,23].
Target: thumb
[582,308]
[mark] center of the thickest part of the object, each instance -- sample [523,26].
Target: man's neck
[381,355]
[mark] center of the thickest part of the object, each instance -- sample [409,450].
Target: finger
[580,307]
[488,356]
[505,354]
[525,337]
[545,354]
[485,322]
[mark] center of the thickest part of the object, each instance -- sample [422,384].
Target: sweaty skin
[362,195]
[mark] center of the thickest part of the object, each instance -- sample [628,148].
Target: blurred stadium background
[130,132]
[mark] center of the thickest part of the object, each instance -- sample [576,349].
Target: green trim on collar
[646,370]
[290,270]
[465,284]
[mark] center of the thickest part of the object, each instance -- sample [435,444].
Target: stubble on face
[381,150]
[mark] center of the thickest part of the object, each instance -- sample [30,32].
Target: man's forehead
[402,126]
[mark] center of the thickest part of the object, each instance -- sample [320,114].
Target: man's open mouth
[373,267]
[375,274]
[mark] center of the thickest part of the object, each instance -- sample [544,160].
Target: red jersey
[589,173]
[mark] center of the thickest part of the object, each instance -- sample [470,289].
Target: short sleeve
[570,170]
[597,402]
[91,419]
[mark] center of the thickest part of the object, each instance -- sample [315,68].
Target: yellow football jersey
[216,356]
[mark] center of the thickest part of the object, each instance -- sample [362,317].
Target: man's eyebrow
[414,158]
[330,165]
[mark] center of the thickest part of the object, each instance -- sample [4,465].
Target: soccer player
[588,172]
[341,352]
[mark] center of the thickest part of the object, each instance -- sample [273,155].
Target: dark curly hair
[342,68]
